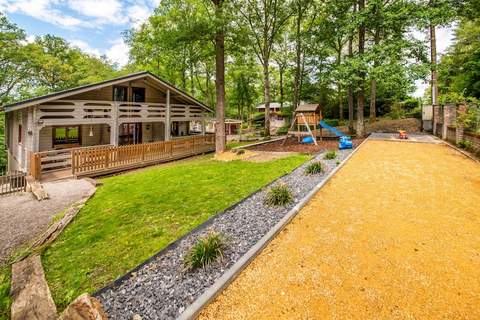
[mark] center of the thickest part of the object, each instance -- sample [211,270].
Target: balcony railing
[99,160]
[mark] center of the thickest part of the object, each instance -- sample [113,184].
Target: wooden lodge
[121,123]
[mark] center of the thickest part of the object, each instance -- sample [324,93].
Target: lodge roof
[98,85]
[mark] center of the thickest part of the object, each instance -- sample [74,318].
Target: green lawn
[5,292]
[135,215]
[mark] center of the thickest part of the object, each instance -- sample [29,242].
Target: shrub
[279,195]
[464,144]
[282,130]
[314,168]
[330,155]
[205,251]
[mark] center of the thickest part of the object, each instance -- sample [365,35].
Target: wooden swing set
[307,119]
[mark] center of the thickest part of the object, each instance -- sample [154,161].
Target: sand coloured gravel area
[394,235]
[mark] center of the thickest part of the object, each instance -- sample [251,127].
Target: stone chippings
[162,289]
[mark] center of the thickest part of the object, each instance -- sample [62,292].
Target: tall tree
[351,99]
[220,138]
[265,20]
[361,75]
[304,18]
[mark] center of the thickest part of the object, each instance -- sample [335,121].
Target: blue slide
[332,129]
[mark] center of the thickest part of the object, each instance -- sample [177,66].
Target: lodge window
[120,93]
[138,94]
[66,135]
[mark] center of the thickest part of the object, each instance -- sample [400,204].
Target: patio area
[393,235]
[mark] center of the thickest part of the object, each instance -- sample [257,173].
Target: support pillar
[436,118]
[448,118]
[167,118]
[203,125]
[114,126]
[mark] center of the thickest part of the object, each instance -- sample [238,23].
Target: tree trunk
[281,87]
[350,91]
[266,97]
[339,84]
[298,55]
[433,61]
[373,85]
[361,91]
[220,138]
[373,98]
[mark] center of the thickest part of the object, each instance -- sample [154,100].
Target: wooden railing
[97,161]
[12,182]
[53,160]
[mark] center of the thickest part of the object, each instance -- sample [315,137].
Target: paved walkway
[394,235]
[412,137]
[22,217]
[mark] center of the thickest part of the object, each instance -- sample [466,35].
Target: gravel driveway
[22,217]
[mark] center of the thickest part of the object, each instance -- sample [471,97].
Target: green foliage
[470,119]
[465,144]
[134,215]
[459,68]
[207,250]
[332,122]
[279,195]
[282,130]
[330,155]
[314,168]
[47,65]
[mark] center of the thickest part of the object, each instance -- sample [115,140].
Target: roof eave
[66,93]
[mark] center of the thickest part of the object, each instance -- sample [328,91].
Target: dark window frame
[144,93]
[20,135]
[126,93]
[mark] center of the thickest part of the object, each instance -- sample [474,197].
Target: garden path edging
[192,311]
[258,143]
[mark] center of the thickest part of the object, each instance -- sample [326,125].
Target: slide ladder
[332,129]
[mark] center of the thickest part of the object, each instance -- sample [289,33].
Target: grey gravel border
[211,293]
[160,288]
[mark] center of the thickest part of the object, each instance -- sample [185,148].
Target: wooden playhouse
[306,122]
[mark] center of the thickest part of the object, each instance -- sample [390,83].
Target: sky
[96,26]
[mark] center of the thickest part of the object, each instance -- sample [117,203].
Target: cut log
[30,293]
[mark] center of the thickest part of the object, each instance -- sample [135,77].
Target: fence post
[462,109]
[74,162]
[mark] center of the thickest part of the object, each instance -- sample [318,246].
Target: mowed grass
[5,301]
[134,215]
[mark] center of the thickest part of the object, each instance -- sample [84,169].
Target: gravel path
[22,217]
[162,289]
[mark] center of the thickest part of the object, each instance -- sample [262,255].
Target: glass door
[130,133]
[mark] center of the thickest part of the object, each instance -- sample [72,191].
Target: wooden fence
[98,160]
[12,182]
